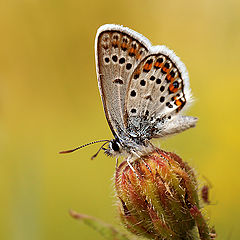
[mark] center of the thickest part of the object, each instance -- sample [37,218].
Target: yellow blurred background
[49,101]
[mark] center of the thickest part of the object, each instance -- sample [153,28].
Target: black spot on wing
[118,81]
[148,97]
[128,66]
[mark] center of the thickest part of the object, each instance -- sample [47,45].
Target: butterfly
[144,90]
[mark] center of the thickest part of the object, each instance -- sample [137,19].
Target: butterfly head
[114,148]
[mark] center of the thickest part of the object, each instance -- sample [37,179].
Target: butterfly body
[144,90]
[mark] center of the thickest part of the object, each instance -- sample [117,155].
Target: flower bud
[158,198]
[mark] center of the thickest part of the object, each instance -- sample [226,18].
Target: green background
[49,101]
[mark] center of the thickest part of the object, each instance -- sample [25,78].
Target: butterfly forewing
[118,51]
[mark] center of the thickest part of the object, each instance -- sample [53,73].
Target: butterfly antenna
[99,150]
[72,150]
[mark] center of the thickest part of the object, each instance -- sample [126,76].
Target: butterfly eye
[114,145]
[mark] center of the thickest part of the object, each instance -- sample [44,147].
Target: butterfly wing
[158,91]
[118,51]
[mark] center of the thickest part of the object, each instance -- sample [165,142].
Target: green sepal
[106,230]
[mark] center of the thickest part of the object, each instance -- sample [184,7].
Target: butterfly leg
[162,156]
[138,156]
[130,165]
[116,166]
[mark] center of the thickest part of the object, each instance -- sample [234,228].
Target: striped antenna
[72,150]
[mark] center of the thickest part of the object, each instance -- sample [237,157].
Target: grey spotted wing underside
[156,88]
[157,92]
[144,88]
[118,51]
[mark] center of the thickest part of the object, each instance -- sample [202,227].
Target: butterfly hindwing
[158,90]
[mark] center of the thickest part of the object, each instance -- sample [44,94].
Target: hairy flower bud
[159,198]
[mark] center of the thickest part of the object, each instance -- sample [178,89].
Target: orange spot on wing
[178,102]
[138,72]
[172,88]
[124,45]
[138,56]
[181,103]
[115,43]
[166,69]
[170,78]
[147,67]
[132,51]
[158,65]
